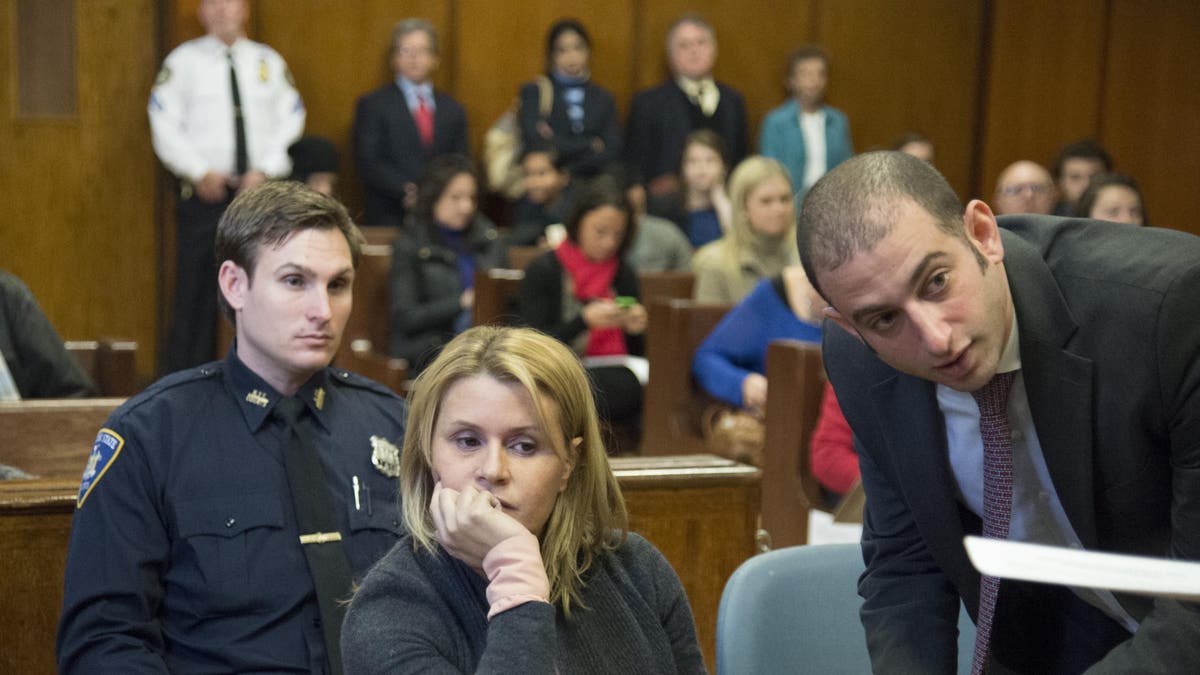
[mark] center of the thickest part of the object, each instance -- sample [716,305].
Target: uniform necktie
[424,119]
[241,162]
[997,496]
[318,524]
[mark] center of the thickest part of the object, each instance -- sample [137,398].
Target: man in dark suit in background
[402,125]
[661,118]
[1097,327]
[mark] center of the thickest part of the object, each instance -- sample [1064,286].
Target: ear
[983,231]
[569,464]
[836,317]
[233,282]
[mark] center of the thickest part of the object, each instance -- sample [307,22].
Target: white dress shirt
[1037,511]
[191,109]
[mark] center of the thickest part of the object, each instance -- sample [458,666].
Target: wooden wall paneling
[337,52]
[500,45]
[81,189]
[1044,83]
[754,38]
[1151,105]
[898,67]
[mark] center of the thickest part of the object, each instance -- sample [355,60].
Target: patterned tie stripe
[992,399]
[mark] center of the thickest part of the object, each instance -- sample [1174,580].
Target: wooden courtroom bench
[52,438]
[110,363]
[673,402]
[699,511]
[797,381]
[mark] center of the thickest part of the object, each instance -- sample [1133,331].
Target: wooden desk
[701,512]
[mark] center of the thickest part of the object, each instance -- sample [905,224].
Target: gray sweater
[416,612]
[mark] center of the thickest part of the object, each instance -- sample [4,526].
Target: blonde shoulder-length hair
[749,174]
[589,516]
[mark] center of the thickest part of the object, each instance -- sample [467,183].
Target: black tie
[239,124]
[318,524]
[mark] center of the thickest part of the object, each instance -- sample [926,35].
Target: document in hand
[1073,567]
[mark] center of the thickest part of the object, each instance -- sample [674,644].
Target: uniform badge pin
[385,456]
[258,398]
[319,398]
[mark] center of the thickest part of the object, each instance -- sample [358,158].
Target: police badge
[385,456]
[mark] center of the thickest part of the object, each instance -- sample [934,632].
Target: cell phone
[625,301]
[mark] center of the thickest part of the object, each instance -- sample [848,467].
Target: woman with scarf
[585,294]
[761,240]
[582,122]
[434,261]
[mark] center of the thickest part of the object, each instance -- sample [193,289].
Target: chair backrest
[795,610]
[667,284]
[673,403]
[519,257]
[371,317]
[496,292]
[797,379]
[379,234]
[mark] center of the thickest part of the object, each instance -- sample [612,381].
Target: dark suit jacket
[389,151]
[661,118]
[578,149]
[1109,320]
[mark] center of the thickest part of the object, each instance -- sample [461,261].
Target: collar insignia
[385,456]
[258,398]
[319,398]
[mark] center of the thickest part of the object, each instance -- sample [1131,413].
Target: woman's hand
[467,299]
[754,392]
[469,523]
[602,313]
[633,319]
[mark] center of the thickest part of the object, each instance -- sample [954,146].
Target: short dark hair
[1082,149]
[804,53]
[851,208]
[271,213]
[1083,209]
[438,174]
[546,148]
[601,191]
[557,29]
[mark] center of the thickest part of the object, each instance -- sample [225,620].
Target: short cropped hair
[270,214]
[805,53]
[603,190]
[589,516]
[1083,149]
[850,209]
[692,18]
[407,27]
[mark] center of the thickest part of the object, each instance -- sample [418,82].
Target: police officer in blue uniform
[186,553]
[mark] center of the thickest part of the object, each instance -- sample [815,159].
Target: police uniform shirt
[184,549]
[192,116]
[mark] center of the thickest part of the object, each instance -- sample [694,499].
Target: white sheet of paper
[1093,569]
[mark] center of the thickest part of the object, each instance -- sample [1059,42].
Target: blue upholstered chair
[795,610]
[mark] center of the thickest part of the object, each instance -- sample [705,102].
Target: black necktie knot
[289,409]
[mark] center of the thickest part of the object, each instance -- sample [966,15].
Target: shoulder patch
[104,451]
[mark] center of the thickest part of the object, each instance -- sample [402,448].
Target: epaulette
[352,379]
[171,381]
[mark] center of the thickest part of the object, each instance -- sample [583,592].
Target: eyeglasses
[1031,188]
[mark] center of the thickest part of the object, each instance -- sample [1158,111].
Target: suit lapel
[922,463]
[1058,384]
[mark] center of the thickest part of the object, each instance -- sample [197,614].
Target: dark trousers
[192,339]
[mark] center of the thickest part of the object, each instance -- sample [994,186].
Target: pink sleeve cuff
[515,573]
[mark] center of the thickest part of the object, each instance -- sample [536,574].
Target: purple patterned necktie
[997,496]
